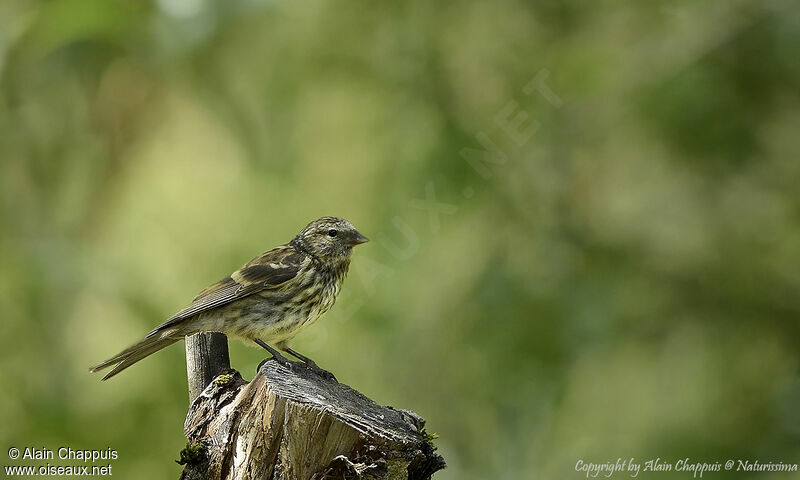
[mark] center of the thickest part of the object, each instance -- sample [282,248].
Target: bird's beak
[357,239]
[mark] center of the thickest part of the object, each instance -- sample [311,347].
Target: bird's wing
[268,270]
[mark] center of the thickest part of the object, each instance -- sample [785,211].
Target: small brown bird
[269,300]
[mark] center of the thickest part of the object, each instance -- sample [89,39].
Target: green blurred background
[619,278]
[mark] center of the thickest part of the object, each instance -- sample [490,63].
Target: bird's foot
[320,371]
[275,355]
[281,361]
[313,367]
[261,364]
[311,364]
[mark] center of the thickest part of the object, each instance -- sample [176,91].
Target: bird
[269,300]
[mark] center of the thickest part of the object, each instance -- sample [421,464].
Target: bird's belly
[266,319]
[271,329]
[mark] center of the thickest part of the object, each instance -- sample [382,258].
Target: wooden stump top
[291,423]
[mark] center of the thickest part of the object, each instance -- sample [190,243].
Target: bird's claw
[321,371]
[281,361]
[309,365]
[261,364]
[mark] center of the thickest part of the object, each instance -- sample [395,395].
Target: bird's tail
[147,346]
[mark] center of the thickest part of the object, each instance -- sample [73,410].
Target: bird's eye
[332,232]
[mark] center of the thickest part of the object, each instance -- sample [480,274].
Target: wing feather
[268,270]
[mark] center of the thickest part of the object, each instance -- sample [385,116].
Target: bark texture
[206,357]
[290,423]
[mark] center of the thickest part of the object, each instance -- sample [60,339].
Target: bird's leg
[311,364]
[277,356]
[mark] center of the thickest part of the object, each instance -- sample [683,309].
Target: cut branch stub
[206,357]
[290,423]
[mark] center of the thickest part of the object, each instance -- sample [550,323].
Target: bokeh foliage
[625,285]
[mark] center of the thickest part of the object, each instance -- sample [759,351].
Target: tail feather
[136,352]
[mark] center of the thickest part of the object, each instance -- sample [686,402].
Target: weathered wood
[206,357]
[293,424]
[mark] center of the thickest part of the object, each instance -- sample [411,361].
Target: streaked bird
[269,300]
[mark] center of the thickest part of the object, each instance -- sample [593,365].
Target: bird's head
[330,238]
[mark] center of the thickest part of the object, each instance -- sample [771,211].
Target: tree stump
[290,423]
